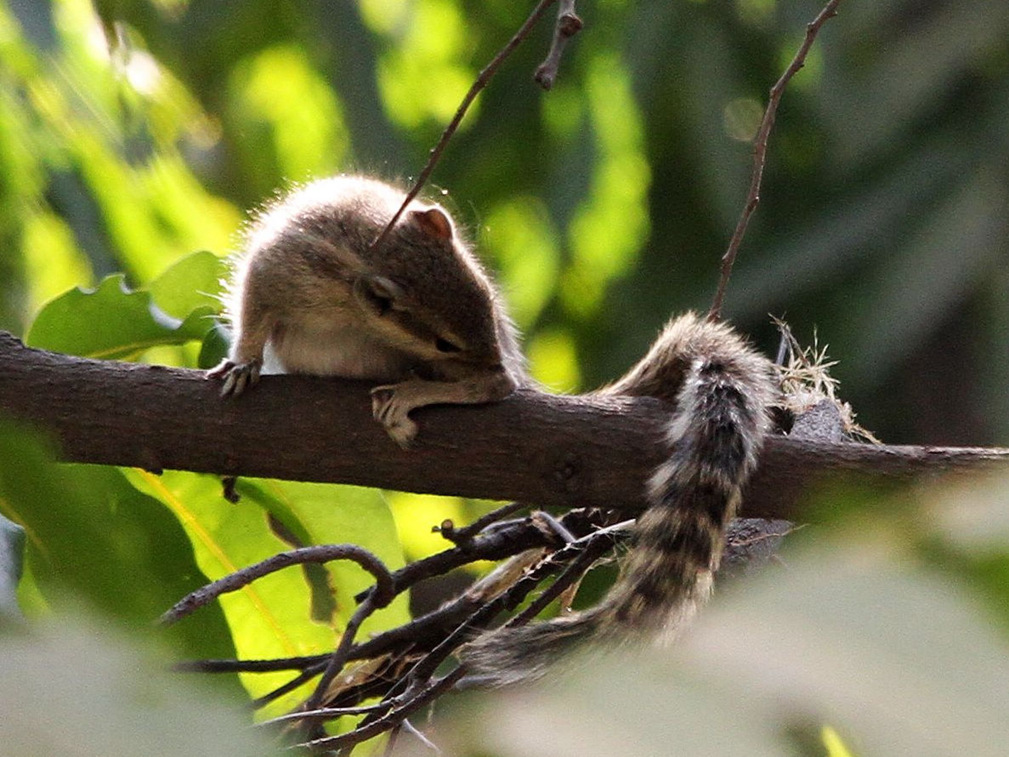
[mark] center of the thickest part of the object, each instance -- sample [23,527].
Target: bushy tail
[511,655]
[721,389]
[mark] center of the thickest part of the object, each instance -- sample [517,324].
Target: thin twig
[594,548]
[326,713]
[587,550]
[304,677]
[760,153]
[383,591]
[342,652]
[568,25]
[393,718]
[499,541]
[249,666]
[415,732]
[481,82]
[464,535]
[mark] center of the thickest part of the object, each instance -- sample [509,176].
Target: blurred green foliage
[135,134]
[137,131]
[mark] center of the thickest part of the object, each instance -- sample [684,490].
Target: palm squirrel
[312,295]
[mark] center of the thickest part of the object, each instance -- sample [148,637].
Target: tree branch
[760,152]
[549,450]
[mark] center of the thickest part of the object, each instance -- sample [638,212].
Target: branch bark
[537,448]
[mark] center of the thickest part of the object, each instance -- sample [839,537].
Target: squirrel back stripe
[720,390]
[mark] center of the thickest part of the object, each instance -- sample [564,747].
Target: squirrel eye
[444,345]
[382,304]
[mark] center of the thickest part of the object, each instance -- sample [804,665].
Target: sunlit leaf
[329,514]
[269,618]
[191,283]
[416,517]
[112,322]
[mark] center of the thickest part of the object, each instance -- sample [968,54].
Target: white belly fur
[333,352]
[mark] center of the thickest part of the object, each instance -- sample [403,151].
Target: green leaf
[269,618]
[330,514]
[103,697]
[215,346]
[112,322]
[93,537]
[192,283]
[12,544]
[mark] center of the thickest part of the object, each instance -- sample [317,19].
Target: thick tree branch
[537,448]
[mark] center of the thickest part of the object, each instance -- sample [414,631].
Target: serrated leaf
[112,322]
[192,283]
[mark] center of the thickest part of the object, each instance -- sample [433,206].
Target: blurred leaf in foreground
[79,690]
[94,538]
[854,634]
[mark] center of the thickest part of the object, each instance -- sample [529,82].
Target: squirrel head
[429,295]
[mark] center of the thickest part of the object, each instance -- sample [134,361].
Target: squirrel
[313,294]
[720,391]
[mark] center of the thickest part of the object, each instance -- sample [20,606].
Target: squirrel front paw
[237,376]
[389,409]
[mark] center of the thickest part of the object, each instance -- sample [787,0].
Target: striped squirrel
[311,295]
[719,390]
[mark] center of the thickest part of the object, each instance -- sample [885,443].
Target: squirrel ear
[433,222]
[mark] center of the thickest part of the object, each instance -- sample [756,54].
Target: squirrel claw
[393,414]
[237,376]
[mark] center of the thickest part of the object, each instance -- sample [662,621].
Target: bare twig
[393,718]
[568,25]
[306,675]
[478,86]
[594,547]
[760,153]
[382,594]
[462,536]
[584,552]
[342,652]
[249,666]
[325,713]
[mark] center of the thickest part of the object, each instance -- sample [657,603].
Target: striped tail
[721,389]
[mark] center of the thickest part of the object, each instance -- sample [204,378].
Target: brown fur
[311,294]
[719,390]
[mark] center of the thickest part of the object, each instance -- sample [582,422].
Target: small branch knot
[569,24]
